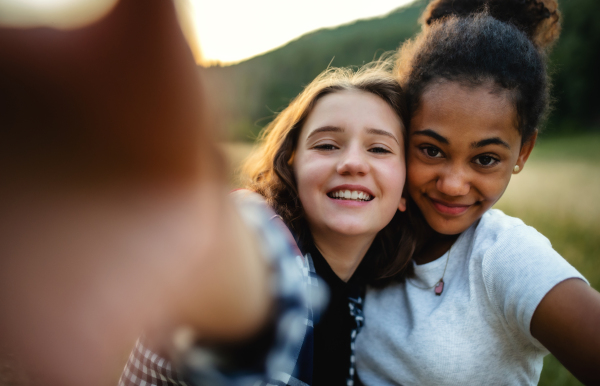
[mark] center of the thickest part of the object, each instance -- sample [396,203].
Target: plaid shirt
[298,294]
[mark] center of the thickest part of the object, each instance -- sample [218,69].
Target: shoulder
[272,232]
[247,197]
[506,244]
[518,265]
[516,258]
[498,232]
[495,222]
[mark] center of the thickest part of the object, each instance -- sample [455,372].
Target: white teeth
[351,195]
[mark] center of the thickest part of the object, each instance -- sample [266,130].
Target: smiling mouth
[451,209]
[353,195]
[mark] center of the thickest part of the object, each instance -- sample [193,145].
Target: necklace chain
[439,281]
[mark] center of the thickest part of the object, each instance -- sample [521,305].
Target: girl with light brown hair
[331,167]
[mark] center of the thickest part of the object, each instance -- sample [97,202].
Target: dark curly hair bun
[538,19]
[475,42]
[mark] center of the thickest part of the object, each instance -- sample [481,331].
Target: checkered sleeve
[147,368]
[297,292]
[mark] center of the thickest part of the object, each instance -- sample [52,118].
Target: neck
[437,244]
[343,253]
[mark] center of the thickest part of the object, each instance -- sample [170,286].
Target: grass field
[557,193]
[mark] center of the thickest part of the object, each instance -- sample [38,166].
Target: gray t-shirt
[477,331]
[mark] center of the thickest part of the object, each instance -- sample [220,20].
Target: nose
[454,181]
[353,161]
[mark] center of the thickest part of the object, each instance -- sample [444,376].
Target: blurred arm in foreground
[113,209]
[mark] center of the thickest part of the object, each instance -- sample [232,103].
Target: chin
[351,230]
[449,231]
[449,228]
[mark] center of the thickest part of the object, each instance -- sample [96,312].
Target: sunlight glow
[233,30]
[52,13]
[224,31]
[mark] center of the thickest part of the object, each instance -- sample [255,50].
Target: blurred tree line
[248,94]
[575,66]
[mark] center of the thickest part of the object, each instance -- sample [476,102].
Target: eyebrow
[432,134]
[490,141]
[324,129]
[383,132]
[336,129]
[474,145]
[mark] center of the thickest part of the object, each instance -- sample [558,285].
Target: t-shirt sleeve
[519,269]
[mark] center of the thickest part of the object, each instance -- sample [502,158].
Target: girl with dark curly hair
[488,297]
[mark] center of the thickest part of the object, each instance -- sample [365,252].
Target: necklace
[439,286]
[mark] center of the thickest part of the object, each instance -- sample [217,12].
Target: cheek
[310,171]
[418,175]
[310,174]
[492,186]
[393,177]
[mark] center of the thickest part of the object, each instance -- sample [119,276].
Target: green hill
[249,93]
[246,95]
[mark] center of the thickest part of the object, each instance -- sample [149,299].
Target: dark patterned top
[288,357]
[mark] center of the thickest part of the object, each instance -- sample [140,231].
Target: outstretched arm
[114,209]
[567,323]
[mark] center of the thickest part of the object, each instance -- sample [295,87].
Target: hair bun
[538,19]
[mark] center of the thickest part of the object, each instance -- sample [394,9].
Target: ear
[402,206]
[526,149]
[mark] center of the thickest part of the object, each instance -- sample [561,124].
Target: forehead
[454,110]
[349,109]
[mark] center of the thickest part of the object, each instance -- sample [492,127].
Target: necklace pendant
[439,287]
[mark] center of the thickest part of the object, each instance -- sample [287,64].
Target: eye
[325,146]
[379,149]
[486,160]
[432,151]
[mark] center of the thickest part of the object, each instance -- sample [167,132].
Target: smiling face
[463,146]
[349,164]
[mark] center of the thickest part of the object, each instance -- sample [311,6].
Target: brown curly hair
[269,171]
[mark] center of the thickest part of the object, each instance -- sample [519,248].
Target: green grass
[554,374]
[583,147]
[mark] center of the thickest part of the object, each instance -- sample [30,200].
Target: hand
[114,210]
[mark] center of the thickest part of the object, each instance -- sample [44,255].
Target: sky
[232,30]
[223,31]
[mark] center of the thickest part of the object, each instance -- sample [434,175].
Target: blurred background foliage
[558,190]
[249,93]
